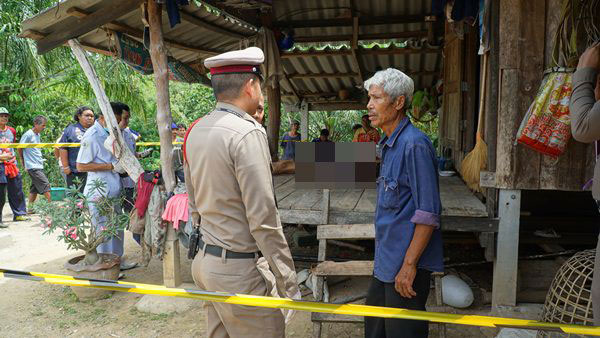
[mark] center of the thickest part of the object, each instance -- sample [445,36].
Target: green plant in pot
[71,221]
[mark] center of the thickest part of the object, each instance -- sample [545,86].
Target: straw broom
[476,160]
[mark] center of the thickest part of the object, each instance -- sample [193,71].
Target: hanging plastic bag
[546,127]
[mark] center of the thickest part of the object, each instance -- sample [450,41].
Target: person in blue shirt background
[288,142]
[408,240]
[73,133]
[324,137]
[34,162]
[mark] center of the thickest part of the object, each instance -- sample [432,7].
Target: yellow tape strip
[286,303]
[66,145]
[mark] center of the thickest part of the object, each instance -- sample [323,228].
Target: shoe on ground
[121,276]
[3,226]
[21,219]
[128,265]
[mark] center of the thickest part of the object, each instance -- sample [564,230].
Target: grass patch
[150,316]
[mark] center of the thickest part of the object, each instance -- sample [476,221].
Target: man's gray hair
[394,83]
[40,119]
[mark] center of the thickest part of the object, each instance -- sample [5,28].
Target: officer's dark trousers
[385,294]
[16,197]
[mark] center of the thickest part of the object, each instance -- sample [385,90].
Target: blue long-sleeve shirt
[407,194]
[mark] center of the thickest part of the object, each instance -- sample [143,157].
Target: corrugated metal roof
[186,32]
[313,73]
[423,67]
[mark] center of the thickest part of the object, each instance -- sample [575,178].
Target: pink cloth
[176,210]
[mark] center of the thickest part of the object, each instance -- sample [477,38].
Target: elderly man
[243,249]
[34,162]
[408,241]
[585,125]
[101,165]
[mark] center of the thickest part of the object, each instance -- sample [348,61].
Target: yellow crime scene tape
[286,303]
[67,145]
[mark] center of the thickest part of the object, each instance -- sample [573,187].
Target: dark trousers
[385,294]
[16,197]
[73,176]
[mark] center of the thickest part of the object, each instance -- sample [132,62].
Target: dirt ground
[33,309]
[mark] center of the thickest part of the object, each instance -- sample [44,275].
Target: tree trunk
[91,257]
[274,99]
[161,81]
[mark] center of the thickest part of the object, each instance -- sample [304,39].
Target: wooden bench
[351,268]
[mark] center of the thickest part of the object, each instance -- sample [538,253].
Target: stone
[168,305]
[516,333]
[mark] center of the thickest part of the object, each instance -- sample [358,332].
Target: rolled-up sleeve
[252,169]
[423,180]
[585,111]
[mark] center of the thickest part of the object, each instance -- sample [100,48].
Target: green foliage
[72,219]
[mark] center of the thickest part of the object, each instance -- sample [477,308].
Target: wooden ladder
[351,268]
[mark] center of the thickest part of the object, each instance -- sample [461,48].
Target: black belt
[218,251]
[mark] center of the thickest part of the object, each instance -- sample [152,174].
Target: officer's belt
[218,251]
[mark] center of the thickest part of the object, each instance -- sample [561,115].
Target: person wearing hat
[10,178]
[228,178]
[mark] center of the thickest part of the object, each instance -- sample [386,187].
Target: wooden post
[161,80]
[122,152]
[491,109]
[304,122]
[274,99]
[171,268]
[504,289]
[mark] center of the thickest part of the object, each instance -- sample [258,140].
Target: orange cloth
[10,169]
[362,136]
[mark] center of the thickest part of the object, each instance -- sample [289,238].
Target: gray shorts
[39,181]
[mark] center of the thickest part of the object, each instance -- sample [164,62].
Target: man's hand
[118,167]
[404,280]
[590,58]
[67,170]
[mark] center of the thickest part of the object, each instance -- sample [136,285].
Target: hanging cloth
[271,68]
[173,11]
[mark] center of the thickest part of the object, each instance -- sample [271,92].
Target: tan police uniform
[229,182]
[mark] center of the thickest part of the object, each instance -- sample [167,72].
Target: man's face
[3,118]
[294,127]
[382,110]
[87,118]
[259,114]
[181,132]
[123,120]
[38,128]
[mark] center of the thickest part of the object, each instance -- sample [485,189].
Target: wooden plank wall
[526,32]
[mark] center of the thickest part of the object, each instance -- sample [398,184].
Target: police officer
[101,165]
[228,177]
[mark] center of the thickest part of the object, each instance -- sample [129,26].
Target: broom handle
[483,93]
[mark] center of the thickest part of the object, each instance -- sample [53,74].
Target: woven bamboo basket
[569,299]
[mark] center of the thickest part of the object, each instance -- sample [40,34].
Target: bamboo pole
[122,152]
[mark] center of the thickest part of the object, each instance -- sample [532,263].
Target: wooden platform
[461,210]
